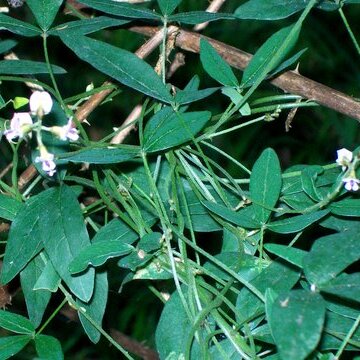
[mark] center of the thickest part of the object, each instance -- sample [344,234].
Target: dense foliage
[189,226]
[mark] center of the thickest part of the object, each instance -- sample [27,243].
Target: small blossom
[351,183]
[20,125]
[344,158]
[66,132]
[40,103]
[47,161]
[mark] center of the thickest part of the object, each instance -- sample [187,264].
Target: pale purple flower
[351,183]
[47,161]
[20,125]
[344,158]
[40,103]
[66,132]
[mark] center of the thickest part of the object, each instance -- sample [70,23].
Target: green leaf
[49,279]
[277,276]
[245,217]
[44,11]
[9,207]
[292,255]
[101,155]
[198,17]
[95,308]
[24,67]
[121,9]
[86,26]
[183,97]
[274,9]
[170,339]
[120,64]
[167,7]
[48,348]
[64,234]
[258,66]
[24,240]
[97,254]
[216,66]
[11,345]
[308,181]
[7,45]
[16,323]
[330,255]
[344,285]
[265,184]
[236,99]
[296,223]
[18,27]
[116,230]
[296,321]
[36,300]
[346,207]
[168,128]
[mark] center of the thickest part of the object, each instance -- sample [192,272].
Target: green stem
[51,317]
[347,338]
[348,28]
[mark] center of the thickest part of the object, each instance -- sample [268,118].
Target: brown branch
[289,81]
[214,7]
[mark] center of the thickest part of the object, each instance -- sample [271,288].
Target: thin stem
[347,338]
[348,28]
[52,316]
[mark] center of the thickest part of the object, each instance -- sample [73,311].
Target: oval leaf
[44,11]
[167,7]
[11,345]
[290,254]
[48,348]
[97,254]
[265,184]
[9,207]
[120,64]
[346,207]
[296,320]
[216,66]
[18,27]
[168,128]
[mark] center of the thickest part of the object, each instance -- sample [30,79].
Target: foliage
[258,265]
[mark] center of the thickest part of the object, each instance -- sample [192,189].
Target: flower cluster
[22,125]
[345,159]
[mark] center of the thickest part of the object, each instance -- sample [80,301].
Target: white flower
[351,183]
[66,132]
[344,158]
[20,125]
[47,161]
[40,103]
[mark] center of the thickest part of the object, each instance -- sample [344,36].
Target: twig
[213,8]
[289,81]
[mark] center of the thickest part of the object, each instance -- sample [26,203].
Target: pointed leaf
[101,155]
[65,235]
[265,184]
[11,345]
[48,348]
[330,255]
[122,9]
[167,7]
[216,66]
[344,285]
[168,128]
[36,300]
[236,99]
[185,96]
[18,27]
[49,279]
[296,223]
[296,321]
[243,217]
[198,17]
[87,26]
[24,67]
[97,254]
[95,308]
[24,240]
[292,255]
[44,11]
[7,45]
[259,64]
[120,64]
[16,323]
[9,207]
